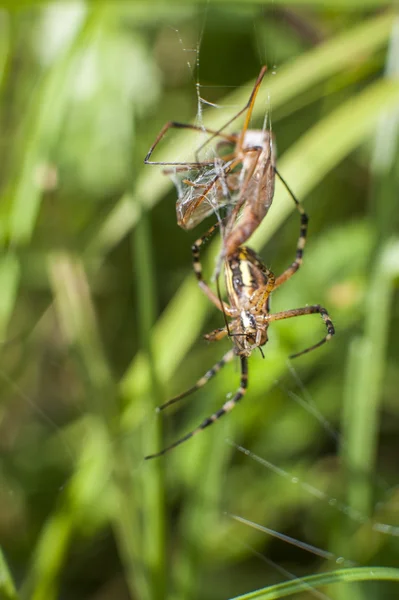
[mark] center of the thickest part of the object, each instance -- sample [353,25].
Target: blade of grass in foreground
[99,490]
[42,123]
[367,354]
[87,494]
[81,504]
[306,163]
[151,479]
[118,477]
[342,4]
[9,276]
[314,67]
[40,127]
[7,588]
[288,588]
[366,368]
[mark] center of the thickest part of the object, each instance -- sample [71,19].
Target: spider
[249,284]
[241,175]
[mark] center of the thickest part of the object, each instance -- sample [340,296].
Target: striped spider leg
[249,284]
[241,176]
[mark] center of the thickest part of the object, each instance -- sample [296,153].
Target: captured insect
[249,284]
[240,176]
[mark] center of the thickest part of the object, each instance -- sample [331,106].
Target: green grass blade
[21,198]
[151,479]
[341,4]
[48,558]
[338,4]
[284,590]
[366,369]
[325,146]
[9,277]
[4,47]
[7,587]
[87,494]
[138,493]
[368,354]
[40,133]
[83,504]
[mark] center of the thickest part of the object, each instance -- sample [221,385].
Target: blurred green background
[101,318]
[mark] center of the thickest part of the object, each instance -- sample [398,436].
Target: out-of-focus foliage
[101,318]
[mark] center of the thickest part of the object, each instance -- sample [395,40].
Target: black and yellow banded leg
[227,406]
[197,266]
[195,249]
[307,310]
[293,268]
[202,381]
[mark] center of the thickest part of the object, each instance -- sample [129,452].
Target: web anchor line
[347,510]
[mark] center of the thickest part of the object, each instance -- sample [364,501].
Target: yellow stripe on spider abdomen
[245,276]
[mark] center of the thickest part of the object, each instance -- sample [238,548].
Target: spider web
[333,505]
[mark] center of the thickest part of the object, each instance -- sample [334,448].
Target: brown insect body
[256,190]
[238,175]
[244,181]
[202,196]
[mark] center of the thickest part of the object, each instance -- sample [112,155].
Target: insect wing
[202,196]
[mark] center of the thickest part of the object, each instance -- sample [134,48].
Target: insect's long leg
[216,335]
[202,381]
[249,106]
[307,310]
[293,268]
[227,407]
[261,296]
[176,125]
[197,266]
